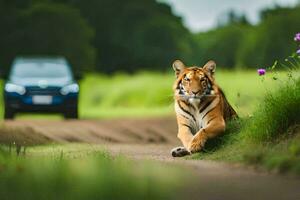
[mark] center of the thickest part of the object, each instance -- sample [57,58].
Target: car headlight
[73,88]
[9,87]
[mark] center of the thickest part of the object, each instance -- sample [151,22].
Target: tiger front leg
[185,135]
[213,129]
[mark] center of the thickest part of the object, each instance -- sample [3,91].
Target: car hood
[42,82]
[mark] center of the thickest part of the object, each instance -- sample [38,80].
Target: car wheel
[71,114]
[9,113]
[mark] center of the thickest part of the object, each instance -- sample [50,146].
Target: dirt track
[152,139]
[125,131]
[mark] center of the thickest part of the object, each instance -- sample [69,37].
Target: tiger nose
[195,92]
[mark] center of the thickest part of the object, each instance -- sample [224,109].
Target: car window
[40,70]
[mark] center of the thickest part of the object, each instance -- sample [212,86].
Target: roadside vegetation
[269,138]
[147,94]
[60,175]
[267,133]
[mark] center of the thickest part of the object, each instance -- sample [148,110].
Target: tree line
[114,35]
[238,44]
[102,35]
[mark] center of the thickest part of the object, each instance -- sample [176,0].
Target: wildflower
[261,72]
[297,37]
[298,52]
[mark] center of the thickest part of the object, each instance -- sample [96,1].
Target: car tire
[9,113]
[71,114]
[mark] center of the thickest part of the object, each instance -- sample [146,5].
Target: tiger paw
[179,152]
[195,147]
[197,144]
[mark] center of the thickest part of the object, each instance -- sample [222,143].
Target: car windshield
[40,70]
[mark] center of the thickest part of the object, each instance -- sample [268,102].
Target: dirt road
[152,139]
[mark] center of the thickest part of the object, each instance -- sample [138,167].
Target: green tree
[56,29]
[222,44]
[272,39]
[128,35]
[133,35]
[46,29]
[9,31]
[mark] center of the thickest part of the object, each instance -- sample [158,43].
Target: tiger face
[193,82]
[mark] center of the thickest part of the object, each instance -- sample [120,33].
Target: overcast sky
[201,15]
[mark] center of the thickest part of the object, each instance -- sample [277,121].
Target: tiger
[201,107]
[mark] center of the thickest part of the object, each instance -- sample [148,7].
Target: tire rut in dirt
[127,131]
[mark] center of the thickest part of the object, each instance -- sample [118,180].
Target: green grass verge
[150,94]
[271,138]
[94,175]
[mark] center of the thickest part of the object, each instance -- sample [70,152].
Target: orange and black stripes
[186,111]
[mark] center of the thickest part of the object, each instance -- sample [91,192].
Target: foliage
[282,156]
[135,34]
[46,29]
[110,36]
[269,138]
[239,44]
[128,35]
[278,112]
[150,94]
[222,44]
[271,39]
[147,94]
[97,176]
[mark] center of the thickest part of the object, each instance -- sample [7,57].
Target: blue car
[43,85]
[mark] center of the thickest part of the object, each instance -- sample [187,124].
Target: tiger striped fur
[201,107]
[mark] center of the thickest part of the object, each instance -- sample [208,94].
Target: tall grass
[279,111]
[271,137]
[93,177]
[143,94]
[150,94]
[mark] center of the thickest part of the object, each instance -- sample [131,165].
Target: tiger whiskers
[187,97]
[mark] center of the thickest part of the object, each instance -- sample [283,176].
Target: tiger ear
[178,67]
[210,67]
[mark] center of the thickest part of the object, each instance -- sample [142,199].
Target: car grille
[54,91]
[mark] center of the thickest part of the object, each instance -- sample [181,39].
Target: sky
[202,15]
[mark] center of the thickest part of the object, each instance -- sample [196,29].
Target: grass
[94,175]
[267,135]
[271,138]
[268,108]
[258,138]
[150,94]
[276,114]
[144,94]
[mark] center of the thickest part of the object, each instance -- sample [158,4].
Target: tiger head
[194,81]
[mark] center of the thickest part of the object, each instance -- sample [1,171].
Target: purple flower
[298,52]
[261,72]
[297,37]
